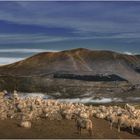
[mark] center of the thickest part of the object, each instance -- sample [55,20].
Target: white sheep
[26,124]
[82,123]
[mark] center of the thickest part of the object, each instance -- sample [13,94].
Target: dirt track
[61,129]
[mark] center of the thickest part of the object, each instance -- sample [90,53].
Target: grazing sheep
[84,115]
[25,124]
[15,95]
[27,116]
[67,114]
[101,115]
[32,108]
[136,113]
[132,123]
[113,119]
[3,116]
[54,115]
[82,123]
[2,95]
[122,120]
[129,108]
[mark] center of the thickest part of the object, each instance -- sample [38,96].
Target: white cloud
[9,60]
[6,60]
[21,50]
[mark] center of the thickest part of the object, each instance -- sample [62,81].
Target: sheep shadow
[128,129]
[136,131]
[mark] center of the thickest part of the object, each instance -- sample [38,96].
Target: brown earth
[62,129]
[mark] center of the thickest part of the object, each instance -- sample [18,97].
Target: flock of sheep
[29,109]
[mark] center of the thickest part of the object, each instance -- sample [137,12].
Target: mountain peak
[79,60]
[76,50]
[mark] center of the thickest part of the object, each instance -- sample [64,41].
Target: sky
[30,27]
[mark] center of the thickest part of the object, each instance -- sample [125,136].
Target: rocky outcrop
[61,87]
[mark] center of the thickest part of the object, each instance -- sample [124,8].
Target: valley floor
[62,129]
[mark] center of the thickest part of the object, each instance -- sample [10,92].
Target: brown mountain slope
[77,61]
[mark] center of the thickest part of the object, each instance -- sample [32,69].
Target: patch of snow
[129,53]
[103,100]
[87,100]
[80,100]
[32,95]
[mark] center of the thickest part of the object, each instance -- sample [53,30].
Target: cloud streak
[29,38]
[42,38]
[22,50]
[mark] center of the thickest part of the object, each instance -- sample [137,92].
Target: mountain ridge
[79,61]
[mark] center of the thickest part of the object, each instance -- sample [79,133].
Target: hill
[77,65]
[81,61]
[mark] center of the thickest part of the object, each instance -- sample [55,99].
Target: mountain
[80,61]
[77,65]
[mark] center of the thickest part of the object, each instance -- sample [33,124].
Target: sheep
[55,115]
[102,108]
[38,101]
[11,114]
[2,95]
[29,108]
[3,116]
[28,116]
[129,108]
[82,123]
[127,121]
[135,113]
[84,115]
[26,124]
[122,120]
[132,123]
[15,95]
[67,113]
[113,119]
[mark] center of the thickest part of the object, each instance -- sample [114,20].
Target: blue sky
[30,27]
